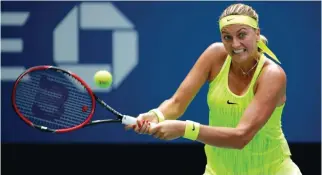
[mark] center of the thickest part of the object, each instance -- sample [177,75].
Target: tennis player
[246,97]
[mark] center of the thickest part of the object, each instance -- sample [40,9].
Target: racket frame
[94,98]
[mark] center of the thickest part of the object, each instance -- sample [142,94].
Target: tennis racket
[55,100]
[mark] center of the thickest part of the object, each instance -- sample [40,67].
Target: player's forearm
[222,137]
[171,109]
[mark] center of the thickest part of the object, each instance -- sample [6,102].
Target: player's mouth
[238,51]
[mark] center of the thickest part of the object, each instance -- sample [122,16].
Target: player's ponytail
[264,39]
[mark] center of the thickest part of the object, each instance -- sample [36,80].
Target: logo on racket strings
[84,108]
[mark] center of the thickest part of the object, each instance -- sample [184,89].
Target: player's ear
[258,34]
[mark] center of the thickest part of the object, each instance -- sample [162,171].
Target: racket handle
[128,120]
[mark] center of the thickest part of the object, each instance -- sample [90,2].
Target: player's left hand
[168,129]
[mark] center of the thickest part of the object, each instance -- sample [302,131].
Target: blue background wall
[171,36]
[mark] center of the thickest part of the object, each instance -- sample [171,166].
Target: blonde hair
[243,9]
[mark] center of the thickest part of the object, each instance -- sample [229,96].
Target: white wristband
[159,114]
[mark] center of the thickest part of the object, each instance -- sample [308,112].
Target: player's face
[240,41]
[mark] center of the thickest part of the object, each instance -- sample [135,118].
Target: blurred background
[149,47]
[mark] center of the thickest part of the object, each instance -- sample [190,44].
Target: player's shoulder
[217,51]
[218,48]
[216,55]
[272,70]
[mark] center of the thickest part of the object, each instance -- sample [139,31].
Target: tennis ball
[103,79]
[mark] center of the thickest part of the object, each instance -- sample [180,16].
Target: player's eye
[242,35]
[227,37]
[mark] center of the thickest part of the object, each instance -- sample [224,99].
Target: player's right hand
[143,123]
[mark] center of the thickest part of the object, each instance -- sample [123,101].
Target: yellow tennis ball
[103,79]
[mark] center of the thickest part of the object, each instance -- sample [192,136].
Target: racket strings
[53,99]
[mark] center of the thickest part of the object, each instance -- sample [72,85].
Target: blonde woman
[246,97]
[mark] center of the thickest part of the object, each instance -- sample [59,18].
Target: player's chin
[240,58]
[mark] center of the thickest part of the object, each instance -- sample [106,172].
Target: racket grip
[128,120]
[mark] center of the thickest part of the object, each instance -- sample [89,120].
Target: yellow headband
[241,19]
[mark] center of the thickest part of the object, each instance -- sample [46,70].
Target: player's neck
[246,68]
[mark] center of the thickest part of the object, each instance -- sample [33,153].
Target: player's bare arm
[175,107]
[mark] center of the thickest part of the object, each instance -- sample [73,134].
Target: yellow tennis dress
[267,153]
